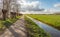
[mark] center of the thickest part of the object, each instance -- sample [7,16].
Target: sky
[50,3]
[37,5]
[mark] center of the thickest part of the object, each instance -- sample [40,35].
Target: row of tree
[10,9]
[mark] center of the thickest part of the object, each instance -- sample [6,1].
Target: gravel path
[18,29]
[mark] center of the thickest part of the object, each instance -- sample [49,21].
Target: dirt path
[52,31]
[16,30]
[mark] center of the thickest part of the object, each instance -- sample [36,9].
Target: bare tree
[17,9]
[13,8]
[6,7]
[9,7]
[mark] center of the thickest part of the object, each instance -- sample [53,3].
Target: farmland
[52,20]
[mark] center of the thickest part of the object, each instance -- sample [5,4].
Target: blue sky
[48,3]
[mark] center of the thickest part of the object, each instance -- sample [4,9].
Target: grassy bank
[52,20]
[7,23]
[34,30]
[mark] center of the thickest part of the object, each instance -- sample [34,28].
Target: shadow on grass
[6,24]
[9,22]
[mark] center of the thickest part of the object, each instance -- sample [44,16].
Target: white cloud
[57,5]
[34,6]
[52,10]
[26,5]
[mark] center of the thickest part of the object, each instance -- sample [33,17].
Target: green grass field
[52,20]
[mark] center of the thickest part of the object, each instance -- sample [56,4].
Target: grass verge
[34,30]
[7,23]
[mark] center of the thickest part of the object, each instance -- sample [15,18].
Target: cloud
[57,5]
[30,6]
[52,10]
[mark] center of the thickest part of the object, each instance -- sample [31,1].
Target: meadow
[52,19]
